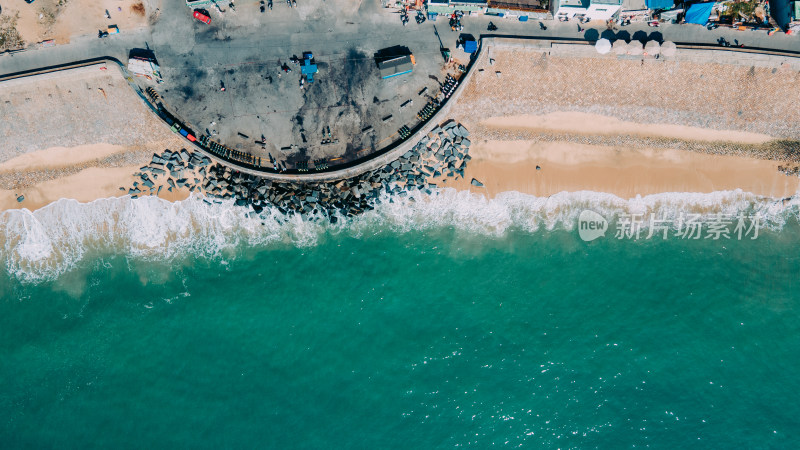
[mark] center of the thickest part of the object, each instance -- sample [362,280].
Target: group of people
[278,166]
[420,17]
[455,21]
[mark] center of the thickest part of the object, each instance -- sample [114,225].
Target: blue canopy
[470,46]
[659,4]
[308,68]
[699,13]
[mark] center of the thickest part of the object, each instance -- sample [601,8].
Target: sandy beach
[80,134]
[625,172]
[77,174]
[500,165]
[595,124]
[85,186]
[511,165]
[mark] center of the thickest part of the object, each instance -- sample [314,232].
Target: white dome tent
[603,46]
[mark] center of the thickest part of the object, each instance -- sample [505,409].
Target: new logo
[591,225]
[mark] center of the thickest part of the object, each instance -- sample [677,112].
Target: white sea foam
[43,244]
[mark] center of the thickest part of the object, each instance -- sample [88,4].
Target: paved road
[175,32]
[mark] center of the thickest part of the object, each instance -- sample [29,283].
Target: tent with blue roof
[470,46]
[309,67]
[699,13]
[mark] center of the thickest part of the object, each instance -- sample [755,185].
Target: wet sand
[82,181]
[85,186]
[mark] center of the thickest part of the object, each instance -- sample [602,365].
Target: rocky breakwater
[173,170]
[443,153]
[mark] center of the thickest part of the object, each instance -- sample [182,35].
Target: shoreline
[88,185]
[535,155]
[502,168]
[580,196]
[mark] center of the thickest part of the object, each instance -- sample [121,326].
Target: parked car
[201,16]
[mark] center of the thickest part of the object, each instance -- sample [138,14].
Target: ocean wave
[40,245]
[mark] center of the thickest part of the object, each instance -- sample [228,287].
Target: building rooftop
[574,3]
[395,66]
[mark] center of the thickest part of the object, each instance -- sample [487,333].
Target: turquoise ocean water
[488,324]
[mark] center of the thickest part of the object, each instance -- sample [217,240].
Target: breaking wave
[41,245]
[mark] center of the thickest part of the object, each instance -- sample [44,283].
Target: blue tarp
[659,4]
[470,46]
[699,13]
[308,68]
